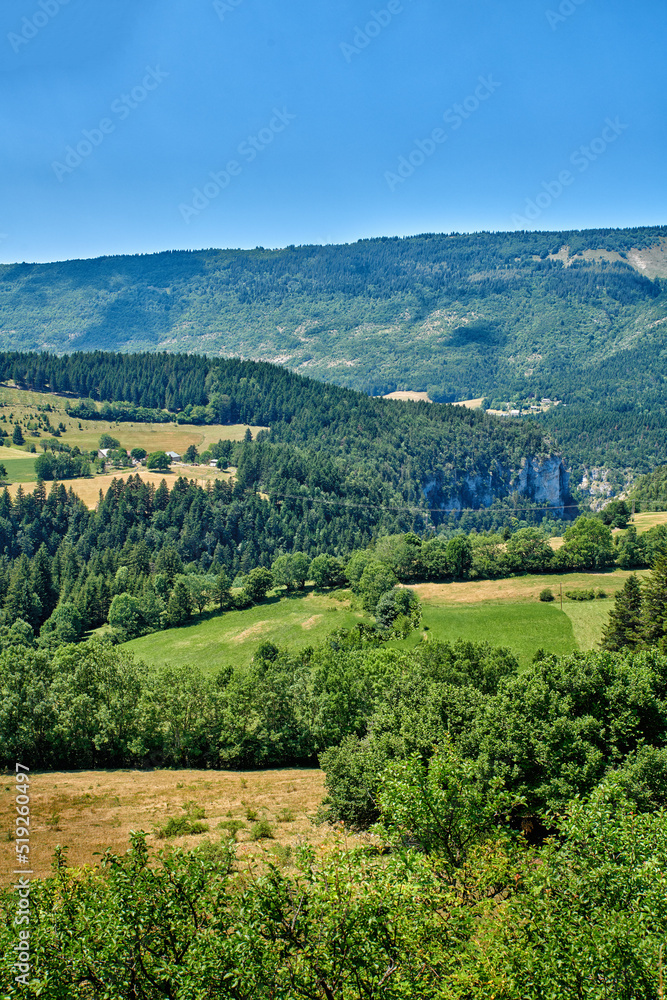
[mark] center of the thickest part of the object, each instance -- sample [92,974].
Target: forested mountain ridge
[324,441]
[459,316]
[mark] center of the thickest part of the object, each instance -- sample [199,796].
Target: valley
[345,605]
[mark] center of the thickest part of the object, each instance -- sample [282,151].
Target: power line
[411,509]
[408,509]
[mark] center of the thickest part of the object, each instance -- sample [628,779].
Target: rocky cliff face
[543,480]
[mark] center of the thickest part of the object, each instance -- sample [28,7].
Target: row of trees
[639,617]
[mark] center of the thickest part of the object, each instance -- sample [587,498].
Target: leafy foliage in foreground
[584,915]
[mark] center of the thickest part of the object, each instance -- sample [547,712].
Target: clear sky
[140,125]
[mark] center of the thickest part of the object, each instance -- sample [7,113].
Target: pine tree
[223,593]
[654,603]
[21,601]
[624,628]
[179,607]
[42,582]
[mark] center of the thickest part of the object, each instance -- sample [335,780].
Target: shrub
[580,595]
[180,826]
[232,826]
[285,816]
[251,814]
[546,594]
[282,853]
[221,853]
[194,810]
[261,830]
[398,609]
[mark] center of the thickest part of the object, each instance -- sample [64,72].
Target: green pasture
[299,620]
[588,619]
[523,628]
[233,637]
[19,464]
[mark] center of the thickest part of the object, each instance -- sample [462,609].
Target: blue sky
[140,125]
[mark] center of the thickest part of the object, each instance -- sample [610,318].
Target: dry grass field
[519,588]
[643,522]
[19,405]
[89,489]
[90,811]
[407,394]
[471,404]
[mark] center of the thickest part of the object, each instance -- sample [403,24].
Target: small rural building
[174,456]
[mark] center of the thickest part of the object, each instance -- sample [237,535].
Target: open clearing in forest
[233,637]
[643,522]
[90,811]
[521,588]
[21,406]
[88,489]
[471,404]
[502,612]
[408,395]
[523,628]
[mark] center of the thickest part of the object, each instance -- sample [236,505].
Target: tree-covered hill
[324,441]
[651,490]
[460,316]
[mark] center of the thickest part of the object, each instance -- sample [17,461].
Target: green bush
[580,595]
[546,594]
[180,826]
[232,826]
[261,830]
[194,810]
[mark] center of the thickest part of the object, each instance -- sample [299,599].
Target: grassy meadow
[90,811]
[524,628]
[502,612]
[23,407]
[232,638]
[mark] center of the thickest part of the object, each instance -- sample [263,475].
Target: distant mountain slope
[574,315]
